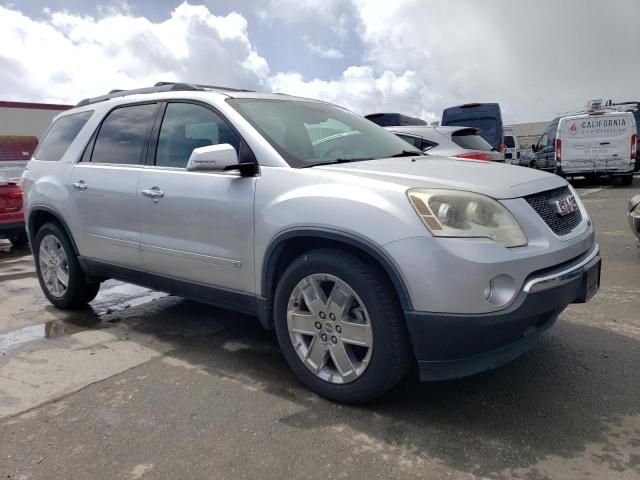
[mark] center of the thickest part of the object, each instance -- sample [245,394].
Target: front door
[104,186]
[196,226]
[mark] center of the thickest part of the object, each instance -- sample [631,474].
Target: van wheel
[626,181]
[340,326]
[533,164]
[59,273]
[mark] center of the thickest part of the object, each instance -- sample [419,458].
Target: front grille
[543,203]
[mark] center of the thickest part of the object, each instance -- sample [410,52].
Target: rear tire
[533,165]
[308,332]
[19,241]
[57,265]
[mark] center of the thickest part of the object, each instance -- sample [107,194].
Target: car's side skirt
[241,302]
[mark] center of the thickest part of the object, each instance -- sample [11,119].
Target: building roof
[35,106]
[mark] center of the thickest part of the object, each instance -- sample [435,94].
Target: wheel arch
[40,215]
[289,245]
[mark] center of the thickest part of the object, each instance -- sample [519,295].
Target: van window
[123,135]
[187,126]
[544,141]
[508,141]
[60,135]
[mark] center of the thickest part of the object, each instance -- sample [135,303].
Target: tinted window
[471,141]
[544,141]
[485,116]
[508,141]
[187,126]
[123,135]
[415,141]
[393,119]
[60,135]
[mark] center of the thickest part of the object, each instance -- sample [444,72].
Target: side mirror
[534,148]
[213,158]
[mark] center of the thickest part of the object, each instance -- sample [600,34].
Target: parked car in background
[487,117]
[590,144]
[11,212]
[363,254]
[634,216]
[543,151]
[461,142]
[511,147]
[393,119]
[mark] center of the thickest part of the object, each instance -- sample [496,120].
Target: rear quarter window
[60,135]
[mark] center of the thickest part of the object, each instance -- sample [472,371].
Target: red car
[11,212]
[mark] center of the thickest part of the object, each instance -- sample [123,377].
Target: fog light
[500,291]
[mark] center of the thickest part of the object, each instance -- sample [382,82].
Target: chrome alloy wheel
[54,266]
[330,328]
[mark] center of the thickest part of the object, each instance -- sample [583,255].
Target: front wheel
[340,326]
[59,273]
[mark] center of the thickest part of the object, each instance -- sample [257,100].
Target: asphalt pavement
[146,385]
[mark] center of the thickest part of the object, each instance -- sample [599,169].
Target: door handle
[80,185]
[154,192]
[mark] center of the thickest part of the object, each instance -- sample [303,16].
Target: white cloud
[67,57]
[323,52]
[361,90]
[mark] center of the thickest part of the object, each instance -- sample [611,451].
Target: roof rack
[158,87]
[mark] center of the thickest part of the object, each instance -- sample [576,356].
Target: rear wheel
[533,164]
[340,326]
[626,181]
[20,240]
[61,278]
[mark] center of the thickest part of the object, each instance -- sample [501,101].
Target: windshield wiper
[339,160]
[407,153]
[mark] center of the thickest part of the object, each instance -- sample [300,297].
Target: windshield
[509,142]
[313,133]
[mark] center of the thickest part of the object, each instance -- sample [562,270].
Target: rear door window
[60,136]
[123,136]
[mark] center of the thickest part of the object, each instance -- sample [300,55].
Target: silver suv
[361,253]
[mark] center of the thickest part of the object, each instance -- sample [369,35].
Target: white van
[511,147]
[591,144]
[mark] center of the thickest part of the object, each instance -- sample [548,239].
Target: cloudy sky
[535,58]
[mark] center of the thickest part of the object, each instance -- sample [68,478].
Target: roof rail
[158,87]
[205,87]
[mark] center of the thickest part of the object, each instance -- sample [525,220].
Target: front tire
[340,326]
[59,273]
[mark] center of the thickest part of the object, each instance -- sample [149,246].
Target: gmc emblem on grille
[565,206]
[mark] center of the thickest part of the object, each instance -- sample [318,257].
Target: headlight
[636,210]
[453,213]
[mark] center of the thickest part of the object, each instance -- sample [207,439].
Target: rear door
[600,143]
[104,186]
[198,226]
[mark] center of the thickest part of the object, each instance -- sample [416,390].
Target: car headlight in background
[454,213]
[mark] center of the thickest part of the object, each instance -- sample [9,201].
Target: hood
[496,180]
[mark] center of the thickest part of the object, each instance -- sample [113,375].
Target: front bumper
[453,345]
